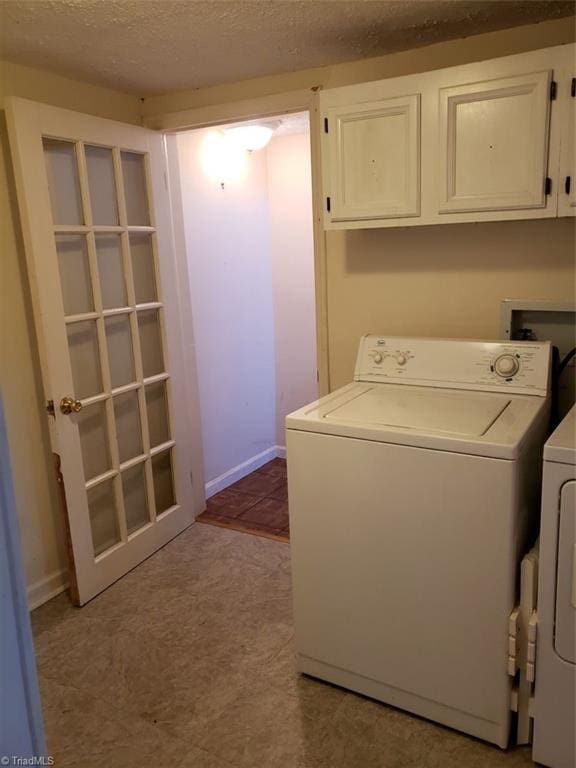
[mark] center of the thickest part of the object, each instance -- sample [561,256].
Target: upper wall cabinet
[374,154]
[494,144]
[482,142]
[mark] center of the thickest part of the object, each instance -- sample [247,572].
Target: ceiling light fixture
[253,136]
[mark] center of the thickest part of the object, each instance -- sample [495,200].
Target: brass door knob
[70,405]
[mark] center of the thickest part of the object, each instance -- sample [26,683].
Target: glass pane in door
[85,358]
[135,188]
[75,279]
[128,431]
[150,342]
[63,183]
[157,410]
[143,268]
[94,439]
[120,356]
[102,186]
[135,497]
[111,271]
[163,482]
[103,516]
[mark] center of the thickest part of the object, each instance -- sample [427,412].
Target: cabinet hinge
[325,125]
[567,184]
[328,204]
[548,185]
[573,87]
[553,89]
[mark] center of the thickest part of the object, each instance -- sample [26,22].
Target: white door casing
[494,144]
[98,237]
[374,151]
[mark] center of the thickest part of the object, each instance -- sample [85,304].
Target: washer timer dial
[506,366]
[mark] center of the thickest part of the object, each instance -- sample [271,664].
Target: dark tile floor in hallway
[256,504]
[188,662]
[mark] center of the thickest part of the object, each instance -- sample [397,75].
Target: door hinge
[50,408]
[567,184]
[325,125]
[553,89]
[573,87]
[328,204]
[548,185]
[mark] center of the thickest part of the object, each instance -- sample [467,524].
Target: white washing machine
[413,493]
[555,688]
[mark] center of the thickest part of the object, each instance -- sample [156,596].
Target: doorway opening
[248,226]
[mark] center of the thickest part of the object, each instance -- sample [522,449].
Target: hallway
[257,504]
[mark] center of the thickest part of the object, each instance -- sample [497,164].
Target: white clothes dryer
[554,737]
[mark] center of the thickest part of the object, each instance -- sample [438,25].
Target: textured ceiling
[284,125]
[151,46]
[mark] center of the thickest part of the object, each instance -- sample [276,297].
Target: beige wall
[35,489]
[446,280]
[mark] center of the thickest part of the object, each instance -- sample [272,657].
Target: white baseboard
[239,471]
[45,589]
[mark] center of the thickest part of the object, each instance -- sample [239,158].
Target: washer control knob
[377,357]
[401,359]
[506,366]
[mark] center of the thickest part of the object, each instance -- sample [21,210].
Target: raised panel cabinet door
[98,236]
[374,159]
[567,191]
[494,144]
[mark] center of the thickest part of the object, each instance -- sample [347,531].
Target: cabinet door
[567,192]
[494,144]
[374,166]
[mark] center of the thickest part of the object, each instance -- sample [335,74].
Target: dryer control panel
[522,367]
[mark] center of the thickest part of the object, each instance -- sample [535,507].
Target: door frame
[305,100]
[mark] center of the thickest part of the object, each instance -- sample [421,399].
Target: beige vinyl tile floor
[188,661]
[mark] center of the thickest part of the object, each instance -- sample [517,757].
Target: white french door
[98,236]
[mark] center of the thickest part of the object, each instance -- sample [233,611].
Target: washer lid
[463,414]
[476,423]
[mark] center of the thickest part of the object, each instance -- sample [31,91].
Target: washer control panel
[519,366]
